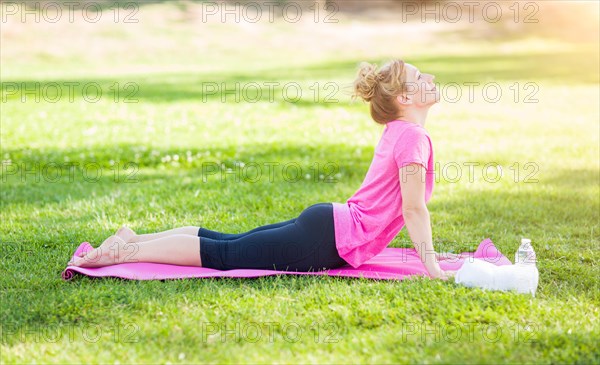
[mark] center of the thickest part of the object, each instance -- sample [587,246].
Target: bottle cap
[525,241]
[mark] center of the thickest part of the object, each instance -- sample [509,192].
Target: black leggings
[305,243]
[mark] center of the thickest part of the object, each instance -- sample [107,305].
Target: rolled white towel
[485,275]
[476,273]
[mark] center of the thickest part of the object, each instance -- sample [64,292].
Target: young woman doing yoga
[394,193]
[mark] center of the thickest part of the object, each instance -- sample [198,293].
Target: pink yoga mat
[390,264]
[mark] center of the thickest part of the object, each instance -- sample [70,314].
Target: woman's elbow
[416,210]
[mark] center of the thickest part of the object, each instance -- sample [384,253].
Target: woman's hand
[443,274]
[449,273]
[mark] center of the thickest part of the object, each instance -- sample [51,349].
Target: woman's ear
[404,100]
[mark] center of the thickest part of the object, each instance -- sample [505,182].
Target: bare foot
[113,251]
[124,233]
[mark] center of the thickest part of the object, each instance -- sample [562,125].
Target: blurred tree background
[151,61]
[517,18]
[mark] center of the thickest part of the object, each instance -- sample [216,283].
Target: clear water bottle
[527,274]
[525,254]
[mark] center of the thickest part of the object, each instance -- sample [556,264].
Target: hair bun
[367,79]
[380,88]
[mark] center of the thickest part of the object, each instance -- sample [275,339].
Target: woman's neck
[417,116]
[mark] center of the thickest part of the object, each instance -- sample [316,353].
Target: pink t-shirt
[372,217]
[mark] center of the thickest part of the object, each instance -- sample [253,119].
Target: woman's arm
[416,217]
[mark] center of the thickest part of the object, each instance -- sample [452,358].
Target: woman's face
[420,91]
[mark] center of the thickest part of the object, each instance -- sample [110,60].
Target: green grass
[47,320]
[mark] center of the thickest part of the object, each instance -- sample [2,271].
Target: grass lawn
[159,149]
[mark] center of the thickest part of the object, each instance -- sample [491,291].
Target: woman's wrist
[435,271]
[432,265]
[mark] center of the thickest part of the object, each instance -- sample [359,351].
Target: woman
[395,191]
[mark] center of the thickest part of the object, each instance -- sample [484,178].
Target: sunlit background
[150,93]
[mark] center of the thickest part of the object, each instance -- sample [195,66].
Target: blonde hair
[380,88]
